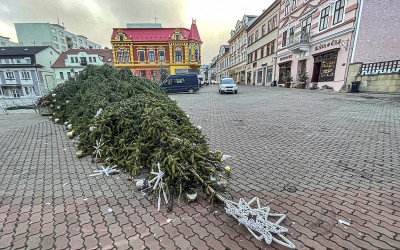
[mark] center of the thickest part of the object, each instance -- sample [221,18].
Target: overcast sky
[96,18]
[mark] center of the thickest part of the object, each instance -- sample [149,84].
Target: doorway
[316,72]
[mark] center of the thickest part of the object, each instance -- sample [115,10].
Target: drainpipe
[359,14]
[353,42]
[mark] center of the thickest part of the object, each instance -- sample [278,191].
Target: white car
[228,85]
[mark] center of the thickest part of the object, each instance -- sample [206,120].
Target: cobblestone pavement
[316,156]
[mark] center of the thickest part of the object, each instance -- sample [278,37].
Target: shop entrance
[284,70]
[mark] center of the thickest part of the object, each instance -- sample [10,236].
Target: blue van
[181,83]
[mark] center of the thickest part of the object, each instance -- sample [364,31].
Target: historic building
[222,63]
[238,44]
[73,61]
[315,36]
[55,35]
[148,50]
[261,46]
[25,71]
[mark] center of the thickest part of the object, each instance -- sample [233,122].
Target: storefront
[324,67]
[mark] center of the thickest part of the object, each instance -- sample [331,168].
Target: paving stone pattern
[316,156]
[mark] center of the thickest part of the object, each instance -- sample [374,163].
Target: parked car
[181,83]
[201,80]
[228,85]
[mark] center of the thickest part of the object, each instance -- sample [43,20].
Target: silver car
[228,85]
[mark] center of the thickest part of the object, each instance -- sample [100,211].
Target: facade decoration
[150,51]
[261,46]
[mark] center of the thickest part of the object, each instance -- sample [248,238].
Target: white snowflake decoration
[256,221]
[97,150]
[107,171]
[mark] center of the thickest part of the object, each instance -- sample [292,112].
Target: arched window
[178,54]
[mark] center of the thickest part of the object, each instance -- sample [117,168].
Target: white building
[26,71]
[73,61]
[55,35]
[5,41]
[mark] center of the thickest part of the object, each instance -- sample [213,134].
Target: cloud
[95,19]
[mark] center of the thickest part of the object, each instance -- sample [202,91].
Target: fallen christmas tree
[137,124]
[128,122]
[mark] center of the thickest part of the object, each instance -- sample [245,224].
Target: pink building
[316,37]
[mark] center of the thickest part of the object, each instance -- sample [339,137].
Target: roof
[105,53]
[158,34]
[194,33]
[21,50]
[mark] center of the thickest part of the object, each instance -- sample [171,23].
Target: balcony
[299,42]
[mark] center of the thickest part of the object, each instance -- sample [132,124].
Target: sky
[96,18]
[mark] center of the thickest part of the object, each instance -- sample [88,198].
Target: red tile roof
[105,53]
[157,34]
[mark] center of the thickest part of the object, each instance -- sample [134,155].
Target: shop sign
[327,45]
[285,58]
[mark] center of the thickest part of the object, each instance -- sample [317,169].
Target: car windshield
[227,81]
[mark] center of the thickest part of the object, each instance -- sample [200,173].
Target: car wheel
[236,92]
[191,91]
[219,91]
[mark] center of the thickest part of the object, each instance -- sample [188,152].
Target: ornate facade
[148,51]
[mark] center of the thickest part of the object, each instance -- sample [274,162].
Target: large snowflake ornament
[256,221]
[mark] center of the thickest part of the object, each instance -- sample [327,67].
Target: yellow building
[148,50]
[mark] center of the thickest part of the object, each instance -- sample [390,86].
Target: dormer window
[177,37]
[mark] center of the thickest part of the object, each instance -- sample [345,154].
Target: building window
[161,56]
[177,37]
[269,26]
[28,61]
[141,56]
[263,30]
[287,7]
[327,65]
[10,75]
[15,92]
[262,52]
[53,30]
[323,23]
[275,22]
[268,49]
[68,75]
[151,56]
[284,38]
[196,54]
[62,75]
[294,4]
[256,35]
[306,24]
[72,59]
[94,59]
[76,59]
[143,72]
[178,55]
[119,56]
[90,59]
[339,12]
[272,47]
[25,75]
[55,38]
[126,56]
[28,90]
